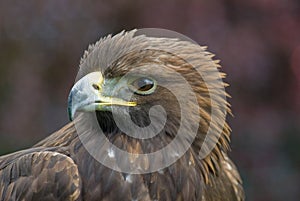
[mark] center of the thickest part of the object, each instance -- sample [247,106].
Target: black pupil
[144,84]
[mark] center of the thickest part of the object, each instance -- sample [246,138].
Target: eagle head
[146,91]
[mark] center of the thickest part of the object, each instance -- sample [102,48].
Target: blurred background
[258,42]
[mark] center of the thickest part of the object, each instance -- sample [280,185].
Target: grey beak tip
[70,112]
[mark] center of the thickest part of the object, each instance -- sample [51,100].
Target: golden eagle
[113,149]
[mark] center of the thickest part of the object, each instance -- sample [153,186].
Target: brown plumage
[60,168]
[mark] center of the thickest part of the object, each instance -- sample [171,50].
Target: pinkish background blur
[258,41]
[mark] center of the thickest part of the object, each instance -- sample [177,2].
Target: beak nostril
[95,86]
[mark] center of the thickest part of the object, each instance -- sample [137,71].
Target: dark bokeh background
[258,41]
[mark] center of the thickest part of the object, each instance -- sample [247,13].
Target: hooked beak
[87,96]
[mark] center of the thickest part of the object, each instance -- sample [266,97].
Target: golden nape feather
[148,123]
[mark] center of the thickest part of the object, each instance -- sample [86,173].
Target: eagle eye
[143,85]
